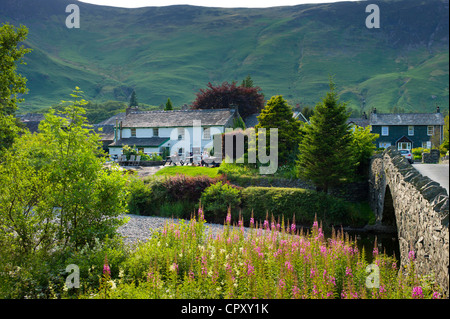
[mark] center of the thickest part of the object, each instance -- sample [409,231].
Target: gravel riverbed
[140,228]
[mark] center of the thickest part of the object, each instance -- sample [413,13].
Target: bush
[301,203]
[217,198]
[148,196]
[417,152]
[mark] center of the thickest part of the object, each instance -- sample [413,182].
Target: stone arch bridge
[419,209]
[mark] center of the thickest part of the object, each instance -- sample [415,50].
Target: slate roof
[251,120]
[112,119]
[178,118]
[141,141]
[359,121]
[407,119]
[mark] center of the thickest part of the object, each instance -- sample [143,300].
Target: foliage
[169,105]
[249,100]
[133,100]
[444,147]
[58,174]
[418,151]
[149,195]
[12,84]
[363,148]
[218,198]
[278,114]
[326,156]
[285,203]
[273,261]
[128,151]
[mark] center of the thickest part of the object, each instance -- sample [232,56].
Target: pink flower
[411,255]
[252,221]
[348,271]
[436,295]
[417,292]
[228,220]
[289,266]
[293,227]
[312,272]
[106,269]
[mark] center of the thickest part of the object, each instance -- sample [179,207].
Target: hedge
[301,203]
[158,196]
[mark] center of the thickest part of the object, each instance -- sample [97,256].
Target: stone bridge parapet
[419,208]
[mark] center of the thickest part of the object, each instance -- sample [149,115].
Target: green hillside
[174,51]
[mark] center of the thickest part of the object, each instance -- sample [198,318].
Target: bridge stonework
[421,209]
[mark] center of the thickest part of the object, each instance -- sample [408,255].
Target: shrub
[217,198]
[289,202]
[148,196]
[417,152]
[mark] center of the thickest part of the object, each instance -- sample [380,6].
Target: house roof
[359,121]
[251,120]
[407,119]
[178,118]
[137,141]
[112,119]
[106,133]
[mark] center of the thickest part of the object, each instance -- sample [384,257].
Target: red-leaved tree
[249,100]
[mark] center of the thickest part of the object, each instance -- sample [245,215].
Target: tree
[325,155]
[248,100]
[247,82]
[278,114]
[11,84]
[133,99]
[55,193]
[363,148]
[169,106]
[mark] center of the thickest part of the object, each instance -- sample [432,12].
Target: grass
[287,51]
[188,170]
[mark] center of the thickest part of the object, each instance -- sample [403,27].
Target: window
[404,146]
[385,130]
[133,132]
[180,152]
[411,130]
[426,144]
[430,130]
[207,133]
[155,132]
[384,144]
[181,133]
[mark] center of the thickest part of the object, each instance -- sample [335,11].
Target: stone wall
[432,157]
[421,208]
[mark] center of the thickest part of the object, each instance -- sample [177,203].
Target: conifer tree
[325,152]
[133,99]
[169,106]
[278,114]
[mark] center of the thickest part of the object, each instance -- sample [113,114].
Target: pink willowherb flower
[417,292]
[348,271]
[411,255]
[436,295]
[106,269]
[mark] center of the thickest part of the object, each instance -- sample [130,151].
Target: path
[437,172]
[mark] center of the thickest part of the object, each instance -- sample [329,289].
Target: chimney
[438,110]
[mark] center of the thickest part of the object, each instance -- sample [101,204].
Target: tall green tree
[278,114]
[169,105]
[12,84]
[326,154]
[133,99]
[247,82]
[55,193]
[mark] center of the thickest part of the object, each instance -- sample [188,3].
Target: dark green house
[405,130]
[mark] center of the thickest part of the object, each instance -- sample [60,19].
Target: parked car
[408,155]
